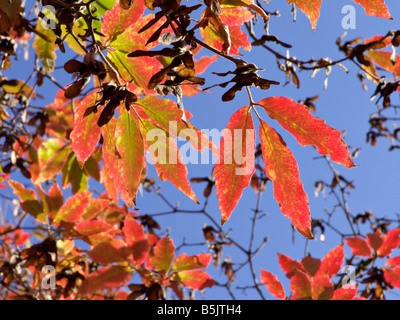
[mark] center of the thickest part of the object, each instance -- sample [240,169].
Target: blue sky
[344,106]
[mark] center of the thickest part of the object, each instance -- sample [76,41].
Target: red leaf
[136,239]
[332,262]
[392,275]
[307,129]
[310,8]
[117,20]
[107,278]
[96,206]
[130,146]
[166,157]
[163,254]
[74,207]
[55,200]
[321,288]
[196,279]
[28,198]
[235,166]
[91,227]
[185,262]
[311,265]
[382,59]
[359,247]
[391,241]
[274,286]
[86,133]
[393,262]
[281,168]
[344,294]
[301,286]
[109,252]
[54,164]
[235,16]
[376,8]
[288,265]
[375,240]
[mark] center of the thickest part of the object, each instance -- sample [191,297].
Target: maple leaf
[185,262]
[288,265]
[196,279]
[321,288]
[28,198]
[117,20]
[376,8]
[390,242]
[310,7]
[307,129]
[163,255]
[235,165]
[136,239]
[273,285]
[86,133]
[344,294]
[74,207]
[358,247]
[168,162]
[130,147]
[392,276]
[311,265]
[107,278]
[332,261]
[300,285]
[281,167]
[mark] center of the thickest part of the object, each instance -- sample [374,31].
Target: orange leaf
[382,59]
[109,252]
[74,207]
[391,241]
[107,278]
[130,146]
[332,262]
[281,167]
[301,286]
[136,239]
[310,8]
[86,133]
[376,8]
[359,247]
[288,265]
[321,288]
[344,294]
[274,286]
[392,275]
[307,129]
[235,166]
[28,198]
[185,262]
[196,279]
[163,255]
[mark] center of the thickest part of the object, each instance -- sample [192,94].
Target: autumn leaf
[376,8]
[109,252]
[130,146]
[136,239]
[87,228]
[185,262]
[311,265]
[196,279]
[391,241]
[28,198]
[274,286]
[235,166]
[86,133]
[344,294]
[163,255]
[108,277]
[301,286]
[382,59]
[54,164]
[392,276]
[311,9]
[359,247]
[288,265]
[321,288]
[332,261]
[45,48]
[74,207]
[117,20]
[307,129]
[166,157]
[281,167]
